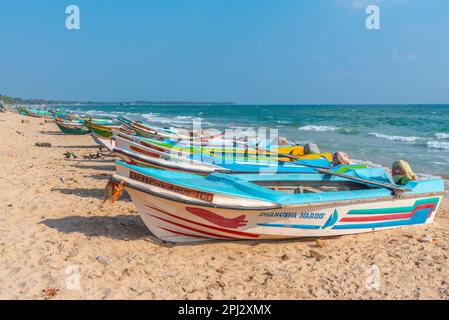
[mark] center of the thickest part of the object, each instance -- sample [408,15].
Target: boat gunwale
[149,160]
[140,187]
[152,161]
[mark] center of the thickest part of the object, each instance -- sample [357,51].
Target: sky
[244,51]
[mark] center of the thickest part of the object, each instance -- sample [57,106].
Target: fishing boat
[37,113]
[107,143]
[145,130]
[200,138]
[103,133]
[69,116]
[205,142]
[183,207]
[72,127]
[104,129]
[22,111]
[174,147]
[138,154]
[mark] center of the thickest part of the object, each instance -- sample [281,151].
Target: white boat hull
[108,143]
[178,214]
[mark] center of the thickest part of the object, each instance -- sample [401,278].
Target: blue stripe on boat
[419,217]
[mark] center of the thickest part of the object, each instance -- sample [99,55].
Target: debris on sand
[70,154]
[43,144]
[104,260]
[49,293]
[425,238]
[315,254]
[92,156]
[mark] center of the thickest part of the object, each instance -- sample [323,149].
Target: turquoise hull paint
[240,185]
[419,217]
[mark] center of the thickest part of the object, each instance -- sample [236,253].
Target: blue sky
[251,51]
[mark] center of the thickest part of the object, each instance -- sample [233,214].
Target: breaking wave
[394,138]
[316,128]
[350,131]
[441,135]
[438,145]
[178,120]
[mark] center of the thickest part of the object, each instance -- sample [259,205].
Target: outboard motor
[402,172]
[340,158]
[311,148]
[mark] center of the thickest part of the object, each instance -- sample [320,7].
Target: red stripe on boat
[388,217]
[217,219]
[193,229]
[182,233]
[240,233]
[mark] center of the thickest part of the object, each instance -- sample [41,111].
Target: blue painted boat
[185,207]
[137,153]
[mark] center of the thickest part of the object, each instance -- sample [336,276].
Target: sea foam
[441,135]
[438,145]
[317,128]
[394,138]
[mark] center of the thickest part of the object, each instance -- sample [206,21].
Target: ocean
[374,134]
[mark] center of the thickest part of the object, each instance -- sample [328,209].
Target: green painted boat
[101,129]
[22,111]
[37,113]
[72,128]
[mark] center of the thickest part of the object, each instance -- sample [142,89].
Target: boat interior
[299,187]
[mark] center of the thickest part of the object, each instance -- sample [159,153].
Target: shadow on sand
[84,193]
[98,193]
[95,167]
[51,133]
[77,147]
[82,160]
[131,227]
[101,176]
[122,227]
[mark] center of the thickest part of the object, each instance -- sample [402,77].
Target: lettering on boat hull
[208,197]
[300,215]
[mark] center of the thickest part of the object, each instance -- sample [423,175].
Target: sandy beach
[53,223]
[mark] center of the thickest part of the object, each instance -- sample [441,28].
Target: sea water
[374,134]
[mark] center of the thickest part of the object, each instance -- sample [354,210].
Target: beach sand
[53,223]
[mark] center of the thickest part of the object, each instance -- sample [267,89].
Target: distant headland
[21,101]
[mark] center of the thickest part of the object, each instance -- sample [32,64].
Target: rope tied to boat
[113,190]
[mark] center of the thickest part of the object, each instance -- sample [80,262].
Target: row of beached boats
[195,186]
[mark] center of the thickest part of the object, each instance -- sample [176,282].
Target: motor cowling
[402,172]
